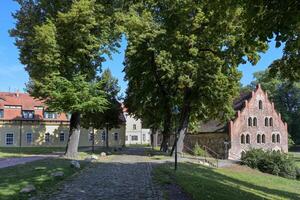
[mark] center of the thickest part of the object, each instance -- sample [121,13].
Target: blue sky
[13,76]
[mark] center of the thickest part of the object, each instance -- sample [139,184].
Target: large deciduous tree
[189,51]
[61,44]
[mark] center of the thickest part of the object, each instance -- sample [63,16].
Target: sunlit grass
[235,183]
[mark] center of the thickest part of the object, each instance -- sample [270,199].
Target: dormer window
[28,114]
[1,113]
[50,115]
[260,105]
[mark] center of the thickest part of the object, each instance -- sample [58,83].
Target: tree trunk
[166,132]
[74,134]
[107,141]
[184,122]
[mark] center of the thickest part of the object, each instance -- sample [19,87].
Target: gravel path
[122,177]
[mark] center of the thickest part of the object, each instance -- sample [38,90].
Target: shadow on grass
[207,183]
[38,173]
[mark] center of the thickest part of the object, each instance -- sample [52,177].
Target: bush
[271,162]
[198,151]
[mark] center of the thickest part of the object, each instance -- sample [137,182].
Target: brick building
[256,125]
[25,122]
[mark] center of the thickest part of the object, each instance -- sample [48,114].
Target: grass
[228,183]
[38,173]
[296,158]
[6,152]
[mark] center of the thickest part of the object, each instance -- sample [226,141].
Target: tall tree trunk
[74,134]
[166,131]
[183,122]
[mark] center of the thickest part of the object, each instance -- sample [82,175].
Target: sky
[13,76]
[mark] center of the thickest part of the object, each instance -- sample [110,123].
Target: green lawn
[6,152]
[227,183]
[38,173]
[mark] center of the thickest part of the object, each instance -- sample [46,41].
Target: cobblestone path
[126,176]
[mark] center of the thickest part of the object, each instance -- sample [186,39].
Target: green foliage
[198,151]
[62,46]
[271,162]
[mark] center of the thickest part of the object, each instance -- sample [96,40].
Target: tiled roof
[18,99]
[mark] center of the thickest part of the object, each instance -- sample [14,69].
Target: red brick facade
[257,125]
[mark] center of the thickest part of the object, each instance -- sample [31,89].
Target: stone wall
[214,141]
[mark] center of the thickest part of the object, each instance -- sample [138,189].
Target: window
[273,138]
[47,137]
[126,137]
[50,115]
[247,139]
[249,121]
[258,138]
[29,138]
[278,138]
[243,139]
[1,113]
[255,121]
[116,136]
[28,114]
[144,137]
[263,138]
[134,127]
[9,140]
[134,138]
[103,136]
[62,137]
[91,136]
[271,121]
[260,105]
[266,121]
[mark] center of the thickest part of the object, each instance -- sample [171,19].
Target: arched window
[273,138]
[271,121]
[243,139]
[258,138]
[263,138]
[266,121]
[249,121]
[278,138]
[260,105]
[254,121]
[247,139]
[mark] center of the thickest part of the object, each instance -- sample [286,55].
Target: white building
[134,132]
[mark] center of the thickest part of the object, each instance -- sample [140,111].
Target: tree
[61,44]
[286,97]
[112,117]
[192,49]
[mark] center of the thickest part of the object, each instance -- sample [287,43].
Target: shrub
[198,151]
[271,162]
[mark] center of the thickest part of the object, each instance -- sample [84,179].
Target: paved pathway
[126,176]
[8,162]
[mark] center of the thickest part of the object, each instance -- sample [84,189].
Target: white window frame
[13,139]
[134,126]
[134,136]
[30,142]
[64,135]
[45,139]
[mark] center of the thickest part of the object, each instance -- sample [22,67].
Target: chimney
[17,93]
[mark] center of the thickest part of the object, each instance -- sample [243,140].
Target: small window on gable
[247,139]
[278,138]
[258,138]
[260,105]
[242,139]
[134,127]
[271,121]
[28,114]
[254,121]
[249,121]
[266,121]
[263,138]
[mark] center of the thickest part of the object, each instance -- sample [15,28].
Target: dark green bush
[271,162]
